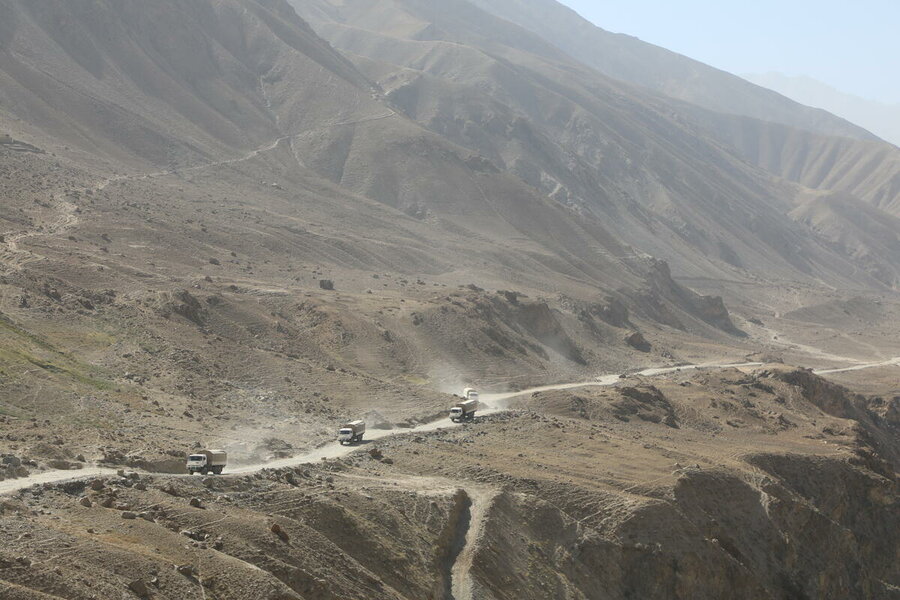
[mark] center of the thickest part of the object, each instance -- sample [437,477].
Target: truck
[351,432]
[470,394]
[207,461]
[464,410]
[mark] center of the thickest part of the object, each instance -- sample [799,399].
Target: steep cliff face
[804,529]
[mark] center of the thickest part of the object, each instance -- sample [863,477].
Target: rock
[611,311]
[139,588]
[637,341]
[326,284]
[63,465]
[215,261]
[195,502]
[97,485]
[85,502]
[511,297]
[129,515]
[376,453]
[281,533]
[186,570]
[11,461]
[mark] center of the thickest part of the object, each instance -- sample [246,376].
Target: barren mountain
[879,117]
[802,144]
[218,229]
[627,58]
[601,147]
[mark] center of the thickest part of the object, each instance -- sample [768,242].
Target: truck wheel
[205,471]
[359,439]
[218,470]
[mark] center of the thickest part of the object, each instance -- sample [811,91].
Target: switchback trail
[496,403]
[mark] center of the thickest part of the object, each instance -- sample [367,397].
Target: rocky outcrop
[539,320]
[809,530]
[662,299]
[875,426]
[637,341]
[184,304]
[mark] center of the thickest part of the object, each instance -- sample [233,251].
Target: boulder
[139,588]
[637,341]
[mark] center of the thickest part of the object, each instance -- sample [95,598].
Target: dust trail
[334,450]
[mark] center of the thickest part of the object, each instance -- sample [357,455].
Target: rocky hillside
[241,223]
[627,58]
[773,484]
[593,144]
[406,216]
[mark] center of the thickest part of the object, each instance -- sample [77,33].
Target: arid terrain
[239,224]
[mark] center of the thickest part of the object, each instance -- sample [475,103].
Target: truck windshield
[196,457]
[345,431]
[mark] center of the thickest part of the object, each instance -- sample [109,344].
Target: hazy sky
[853,45]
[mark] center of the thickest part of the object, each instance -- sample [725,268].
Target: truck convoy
[207,461]
[464,410]
[351,432]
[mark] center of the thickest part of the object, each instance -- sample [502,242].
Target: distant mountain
[630,59]
[878,117]
[672,178]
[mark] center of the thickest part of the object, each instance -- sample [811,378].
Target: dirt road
[494,403]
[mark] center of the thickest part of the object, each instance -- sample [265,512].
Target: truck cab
[207,461]
[351,432]
[464,410]
[196,463]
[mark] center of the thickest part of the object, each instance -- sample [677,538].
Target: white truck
[351,432]
[207,461]
[470,394]
[464,410]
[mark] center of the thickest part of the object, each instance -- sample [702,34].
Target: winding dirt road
[495,403]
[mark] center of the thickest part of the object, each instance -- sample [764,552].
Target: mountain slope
[596,145]
[629,59]
[167,83]
[881,118]
[788,139]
